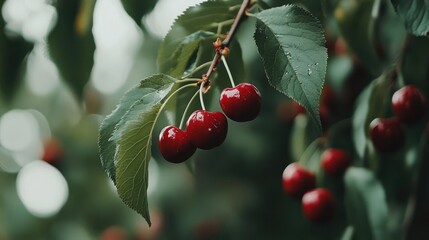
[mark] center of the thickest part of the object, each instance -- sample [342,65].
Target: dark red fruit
[335,161]
[340,47]
[297,180]
[318,205]
[324,115]
[52,151]
[329,98]
[241,103]
[207,130]
[409,104]
[387,135]
[175,145]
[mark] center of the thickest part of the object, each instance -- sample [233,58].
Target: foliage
[338,60]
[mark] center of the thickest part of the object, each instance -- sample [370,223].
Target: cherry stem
[167,100]
[188,80]
[175,92]
[240,15]
[196,70]
[187,108]
[305,156]
[221,24]
[228,71]
[201,96]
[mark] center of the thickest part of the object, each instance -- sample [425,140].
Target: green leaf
[175,64]
[198,18]
[415,64]
[149,92]
[366,205]
[71,44]
[137,8]
[133,156]
[133,135]
[415,14]
[371,104]
[291,43]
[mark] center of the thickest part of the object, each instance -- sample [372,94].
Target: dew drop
[309,72]
[316,64]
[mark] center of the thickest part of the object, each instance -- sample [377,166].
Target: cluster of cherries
[318,204]
[409,106]
[207,130]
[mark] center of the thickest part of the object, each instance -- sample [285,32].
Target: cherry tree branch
[240,15]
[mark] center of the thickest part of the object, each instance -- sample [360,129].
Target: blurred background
[64,64]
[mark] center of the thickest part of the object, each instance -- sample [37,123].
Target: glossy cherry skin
[297,180]
[409,104]
[207,130]
[387,135]
[175,145]
[335,161]
[318,205]
[241,103]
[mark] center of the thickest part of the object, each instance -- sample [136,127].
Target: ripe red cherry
[335,161]
[409,104]
[297,180]
[207,130]
[175,145]
[241,103]
[387,135]
[318,205]
[52,151]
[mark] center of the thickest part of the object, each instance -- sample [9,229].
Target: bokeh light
[18,130]
[32,19]
[42,189]
[159,21]
[117,39]
[153,176]
[42,74]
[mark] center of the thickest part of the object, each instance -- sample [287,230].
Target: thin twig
[240,15]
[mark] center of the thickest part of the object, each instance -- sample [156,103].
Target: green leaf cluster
[126,136]
[290,41]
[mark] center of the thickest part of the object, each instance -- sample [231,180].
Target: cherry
[207,130]
[409,104]
[241,103]
[175,145]
[335,161]
[52,151]
[340,47]
[318,205]
[387,135]
[297,180]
